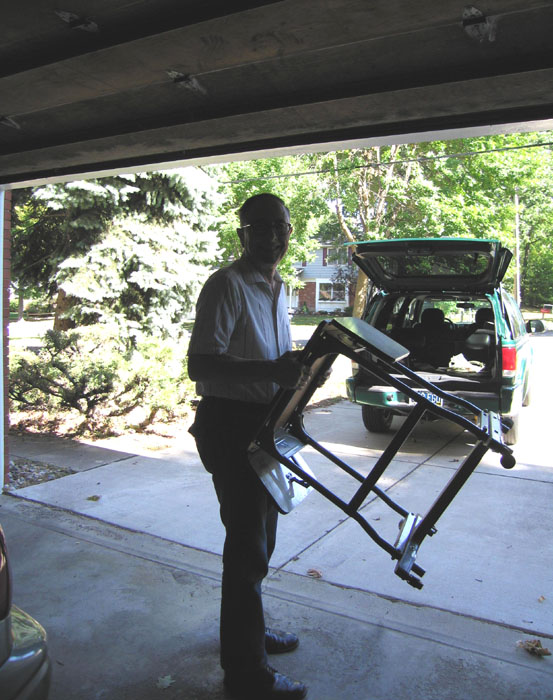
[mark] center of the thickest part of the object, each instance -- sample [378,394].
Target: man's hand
[290,373]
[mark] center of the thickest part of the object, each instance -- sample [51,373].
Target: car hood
[430,264]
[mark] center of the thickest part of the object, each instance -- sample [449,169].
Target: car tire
[376,420]
[511,436]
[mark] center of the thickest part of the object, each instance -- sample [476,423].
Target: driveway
[121,563]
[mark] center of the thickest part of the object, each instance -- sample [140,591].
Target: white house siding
[315,269]
[318,273]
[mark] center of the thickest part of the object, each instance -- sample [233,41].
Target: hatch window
[421,263]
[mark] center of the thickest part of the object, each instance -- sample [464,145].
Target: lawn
[309,319]
[29,331]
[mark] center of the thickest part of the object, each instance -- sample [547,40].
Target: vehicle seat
[432,319]
[439,345]
[483,316]
[480,345]
[410,338]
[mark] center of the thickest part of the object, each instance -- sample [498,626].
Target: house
[320,290]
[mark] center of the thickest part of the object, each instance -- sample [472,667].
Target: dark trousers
[223,430]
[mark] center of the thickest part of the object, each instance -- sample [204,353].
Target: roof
[106,85]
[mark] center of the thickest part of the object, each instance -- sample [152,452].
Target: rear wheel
[376,420]
[511,436]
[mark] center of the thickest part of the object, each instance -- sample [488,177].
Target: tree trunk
[360,298]
[524,269]
[63,304]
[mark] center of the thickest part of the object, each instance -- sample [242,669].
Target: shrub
[42,305]
[35,305]
[90,373]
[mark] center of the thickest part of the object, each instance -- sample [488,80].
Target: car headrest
[432,318]
[483,315]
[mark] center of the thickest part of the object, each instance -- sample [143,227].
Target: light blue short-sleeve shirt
[237,313]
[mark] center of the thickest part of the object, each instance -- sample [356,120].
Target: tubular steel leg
[453,487]
[351,508]
[386,457]
[420,528]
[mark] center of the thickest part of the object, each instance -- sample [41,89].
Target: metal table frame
[275,450]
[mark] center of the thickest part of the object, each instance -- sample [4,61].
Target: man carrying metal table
[239,355]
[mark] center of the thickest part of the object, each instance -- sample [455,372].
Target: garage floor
[121,563]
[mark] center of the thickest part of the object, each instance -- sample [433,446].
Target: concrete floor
[125,609]
[121,563]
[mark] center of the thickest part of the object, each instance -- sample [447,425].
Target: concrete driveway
[121,563]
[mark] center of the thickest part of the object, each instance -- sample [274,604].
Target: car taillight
[509,361]
[5,583]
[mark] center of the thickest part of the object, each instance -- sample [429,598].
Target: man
[239,354]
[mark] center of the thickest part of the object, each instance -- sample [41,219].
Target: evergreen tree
[144,277]
[54,224]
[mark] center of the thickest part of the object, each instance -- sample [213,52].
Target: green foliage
[475,197]
[302,195]
[458,188]
[143,277]
[54,223]
[397,191]
[39,305]
[92,374]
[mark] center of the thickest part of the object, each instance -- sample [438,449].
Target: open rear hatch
[427,264]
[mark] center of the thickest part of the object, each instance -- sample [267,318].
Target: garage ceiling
[96,85]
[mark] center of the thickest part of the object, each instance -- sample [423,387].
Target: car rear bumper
[391,399]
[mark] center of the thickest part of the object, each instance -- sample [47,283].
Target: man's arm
[285,371]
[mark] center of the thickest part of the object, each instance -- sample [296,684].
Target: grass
[309,319]
[29,331]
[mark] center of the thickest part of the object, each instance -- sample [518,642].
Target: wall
[5,216]
[307,296]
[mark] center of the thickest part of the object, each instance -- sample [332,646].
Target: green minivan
[442,299]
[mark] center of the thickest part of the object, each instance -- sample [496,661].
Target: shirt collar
[252,274]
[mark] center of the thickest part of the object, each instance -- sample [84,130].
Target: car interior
[452,335]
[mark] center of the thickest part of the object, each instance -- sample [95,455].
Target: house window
[336,256]
[332,291]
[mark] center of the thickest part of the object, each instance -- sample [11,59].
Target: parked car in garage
[25,667]
[442,299]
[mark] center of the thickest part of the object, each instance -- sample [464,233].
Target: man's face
[266,232]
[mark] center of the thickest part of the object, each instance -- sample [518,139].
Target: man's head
[264,229]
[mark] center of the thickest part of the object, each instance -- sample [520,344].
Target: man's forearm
[229,369]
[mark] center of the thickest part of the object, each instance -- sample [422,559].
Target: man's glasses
[281,228]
